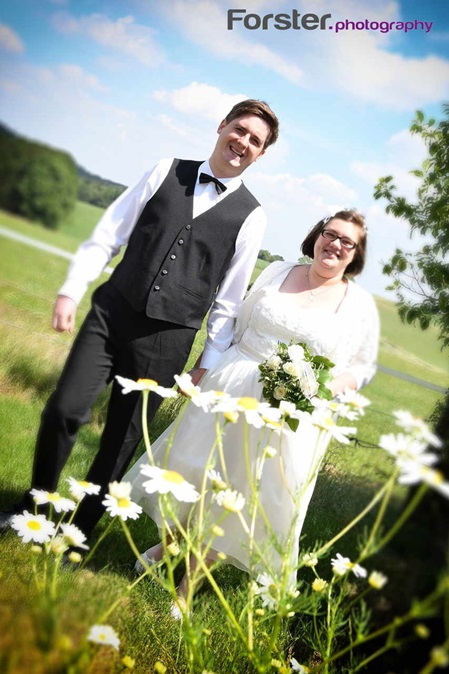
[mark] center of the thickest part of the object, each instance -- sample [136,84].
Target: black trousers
[114,339]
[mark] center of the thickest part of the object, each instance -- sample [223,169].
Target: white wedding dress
[287,480]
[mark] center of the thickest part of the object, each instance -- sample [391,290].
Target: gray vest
[174,263]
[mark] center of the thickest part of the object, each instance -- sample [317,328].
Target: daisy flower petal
[168,482]
[34,528]
[104,635]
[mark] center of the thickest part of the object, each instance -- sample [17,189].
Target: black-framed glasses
[346,243]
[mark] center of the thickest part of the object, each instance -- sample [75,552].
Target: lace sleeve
[363,362]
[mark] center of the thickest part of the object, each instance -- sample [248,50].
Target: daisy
[321,419]
[267,590]
[250,407]
[417,427]
[120,489]
[377,580]
[59,503]
[353,399]
[319,584]
[204,399]
[342,565]
[34,528]
[230,500]
[309,559]
[73,536]
[296,667]
[168,482]
[145,385]
[118,501]
[405,448]
[105,635]
[58,545]
[413,472]
[217,481]
[79,488]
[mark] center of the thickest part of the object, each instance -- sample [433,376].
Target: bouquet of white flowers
[293,375]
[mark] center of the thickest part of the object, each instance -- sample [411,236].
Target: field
[31,358]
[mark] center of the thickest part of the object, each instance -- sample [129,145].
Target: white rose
[293,369]
[279,392]
[274,362]
[296,352]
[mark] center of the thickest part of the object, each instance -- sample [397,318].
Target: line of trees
[42,183]
[96,190]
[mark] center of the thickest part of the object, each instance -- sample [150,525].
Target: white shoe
[139,568]
[175,610]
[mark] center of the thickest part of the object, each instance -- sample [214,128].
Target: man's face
[239,144]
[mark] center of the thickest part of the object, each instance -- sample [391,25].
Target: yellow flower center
[272,590]
[147,382]
[273,424]
[173,476]
[248,403]
[54,497]
[123,502]
[35,526]
[83,483]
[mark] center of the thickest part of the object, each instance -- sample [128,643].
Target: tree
[46,189]
[421,280]
[268,257]
[36,181]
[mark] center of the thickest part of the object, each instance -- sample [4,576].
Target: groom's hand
[64,312]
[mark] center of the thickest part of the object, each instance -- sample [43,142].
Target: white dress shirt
[117,223]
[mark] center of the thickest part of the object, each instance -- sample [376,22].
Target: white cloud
[10,41]
[200,100]
[123,35]
[205,24]
[403,153]
[295,204]
[77,76]
[359,66]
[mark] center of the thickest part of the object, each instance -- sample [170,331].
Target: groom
[193,232]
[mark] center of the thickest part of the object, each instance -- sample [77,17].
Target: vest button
[188,226]
[163,272]
[181,241]
[156,288]
[172,256]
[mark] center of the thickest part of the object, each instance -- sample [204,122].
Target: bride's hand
[197,373]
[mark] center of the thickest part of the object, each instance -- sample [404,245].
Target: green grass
[31,356]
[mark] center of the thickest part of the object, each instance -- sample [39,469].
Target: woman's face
[332,257]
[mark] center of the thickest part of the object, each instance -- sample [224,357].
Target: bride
[315,303]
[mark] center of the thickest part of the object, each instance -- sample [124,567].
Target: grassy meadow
[31,356]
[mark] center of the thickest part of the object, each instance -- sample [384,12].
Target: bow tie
[205,178]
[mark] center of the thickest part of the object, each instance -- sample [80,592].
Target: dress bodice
[277,317]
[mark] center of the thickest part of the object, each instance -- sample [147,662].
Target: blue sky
[122,83]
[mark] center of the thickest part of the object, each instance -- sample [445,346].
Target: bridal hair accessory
[329,217]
